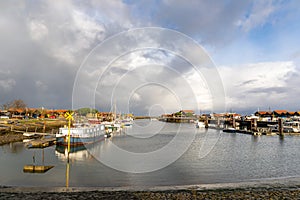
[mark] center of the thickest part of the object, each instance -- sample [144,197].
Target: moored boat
[291,127]
[111,127]
[200,124]
[230,130]
[80,134]
[127,121]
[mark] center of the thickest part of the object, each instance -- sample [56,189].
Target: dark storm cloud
[42,45]
[207,21]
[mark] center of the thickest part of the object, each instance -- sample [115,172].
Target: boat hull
[78,141]
[80,135]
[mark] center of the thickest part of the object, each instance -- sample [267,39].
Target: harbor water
[212,157]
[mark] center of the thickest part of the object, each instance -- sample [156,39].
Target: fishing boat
[80,134]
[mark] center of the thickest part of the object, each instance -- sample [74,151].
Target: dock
[42,142]
[36,168]
[178,119]
[251,127]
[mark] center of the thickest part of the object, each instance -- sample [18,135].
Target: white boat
[200,124]
[111,127]
[273,128]
[80,134]
[127,121]
[291,127]
[30,135]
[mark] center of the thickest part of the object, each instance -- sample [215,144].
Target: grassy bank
[12,130]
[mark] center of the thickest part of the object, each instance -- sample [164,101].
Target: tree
[18,104]
[5,106]
[85,111]
[15,104]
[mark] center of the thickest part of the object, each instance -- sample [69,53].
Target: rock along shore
[250,193]
[268,189]
[8,137]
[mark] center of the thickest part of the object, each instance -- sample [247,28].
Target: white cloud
[38,30]
[88,30]
[44,43]
[258,84]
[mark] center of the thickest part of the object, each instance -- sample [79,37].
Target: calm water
[213,157]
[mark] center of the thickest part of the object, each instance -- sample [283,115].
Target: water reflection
[14,148]
[79,153]
[255,138]
[234,158]
[281,139]
[35,167]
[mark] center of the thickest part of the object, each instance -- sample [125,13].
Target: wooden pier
[36,168]
[42,142]
[178,119]
[252,127]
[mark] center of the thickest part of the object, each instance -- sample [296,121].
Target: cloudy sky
[69,54]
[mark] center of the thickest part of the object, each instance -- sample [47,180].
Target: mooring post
[44,127]
[206,122]
[233,122]
[280,126]
[254,124]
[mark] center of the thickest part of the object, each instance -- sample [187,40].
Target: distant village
[259,115]
[42,113]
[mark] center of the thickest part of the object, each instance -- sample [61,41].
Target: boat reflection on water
[79,153]
[87,153]
[82,152]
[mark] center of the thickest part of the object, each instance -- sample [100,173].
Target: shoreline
[276,189]
[10,133]
[10,137]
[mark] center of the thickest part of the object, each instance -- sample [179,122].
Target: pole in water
[280,126]
[67,174]
[69,117]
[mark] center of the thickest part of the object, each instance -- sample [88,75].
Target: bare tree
[16,104]
[6,106]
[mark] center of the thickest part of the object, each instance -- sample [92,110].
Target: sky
[151,57]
